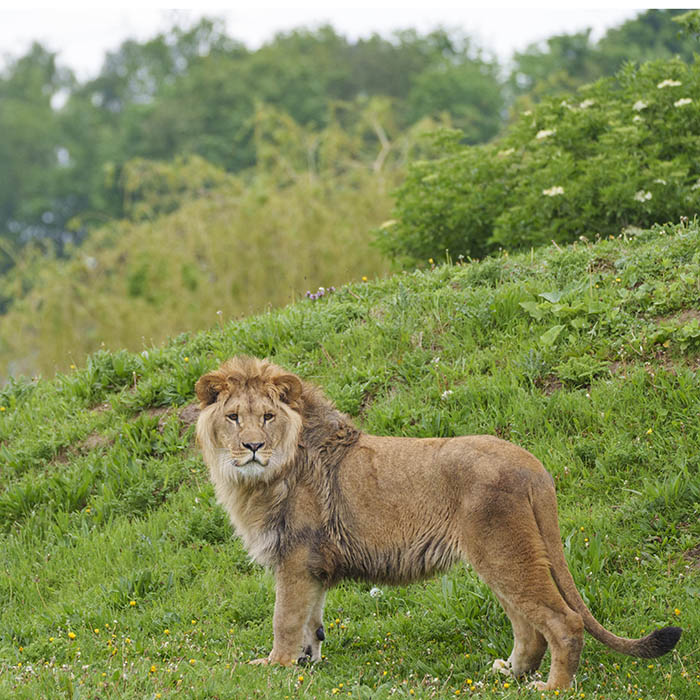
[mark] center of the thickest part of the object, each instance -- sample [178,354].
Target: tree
[34,202]
[567,61]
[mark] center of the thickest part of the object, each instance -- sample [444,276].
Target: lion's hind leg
[529,645]
[512,560]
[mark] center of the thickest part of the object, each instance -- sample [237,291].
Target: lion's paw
[502,666]
[260,662]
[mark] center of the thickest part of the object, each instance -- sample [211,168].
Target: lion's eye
[268,417]
[233,417]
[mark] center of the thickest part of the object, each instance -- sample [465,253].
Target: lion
[317,501]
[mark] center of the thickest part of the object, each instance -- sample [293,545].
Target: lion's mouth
[251,458]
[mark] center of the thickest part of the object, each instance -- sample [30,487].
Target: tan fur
[318,501]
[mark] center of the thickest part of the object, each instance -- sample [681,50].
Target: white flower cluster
[642,196]
[683,101]
[544,133]
[669,83]
[639,105]
[553,191]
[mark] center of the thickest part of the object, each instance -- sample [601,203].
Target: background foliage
[107,183]
[622,152]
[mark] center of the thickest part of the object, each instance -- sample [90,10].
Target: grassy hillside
[121,578]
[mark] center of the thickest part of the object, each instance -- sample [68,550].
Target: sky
[81,36]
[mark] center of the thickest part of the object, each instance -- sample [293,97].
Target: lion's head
[250,422]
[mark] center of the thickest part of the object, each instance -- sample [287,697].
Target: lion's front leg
[297,599]
[314,632]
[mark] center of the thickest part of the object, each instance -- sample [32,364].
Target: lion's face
[248,428]
[252,433]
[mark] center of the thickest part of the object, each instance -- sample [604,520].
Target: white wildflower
[435,360]
[696,186]
[446,394]
[682,102]
[527,112]
[507,152]
[669,83]
[553,191]
[660,181]
[388,224]
[376,592]
[642,196]
[587,103]
[639,105]
[544,133]
[637,118]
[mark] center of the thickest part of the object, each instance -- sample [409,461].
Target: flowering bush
[624,151]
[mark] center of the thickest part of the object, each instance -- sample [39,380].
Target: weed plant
[121,577]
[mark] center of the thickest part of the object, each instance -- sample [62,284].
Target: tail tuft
[659,642]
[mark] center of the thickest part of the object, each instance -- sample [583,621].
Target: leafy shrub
[622,152]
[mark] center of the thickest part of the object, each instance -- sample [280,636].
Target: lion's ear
[290,388]
[208,388]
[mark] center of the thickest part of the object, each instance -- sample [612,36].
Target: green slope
[121,577]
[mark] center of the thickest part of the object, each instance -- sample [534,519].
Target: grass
[122,580]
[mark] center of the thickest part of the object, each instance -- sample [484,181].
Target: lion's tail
[657,643]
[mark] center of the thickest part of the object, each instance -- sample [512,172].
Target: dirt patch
[693,556]
[681,317]
[189,414]
[549,384]
[93,442]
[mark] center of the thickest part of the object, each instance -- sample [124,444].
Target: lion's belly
[406,501]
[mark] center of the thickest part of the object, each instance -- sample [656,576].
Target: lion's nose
[253,446]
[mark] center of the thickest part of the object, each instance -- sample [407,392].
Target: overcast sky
[81,36]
